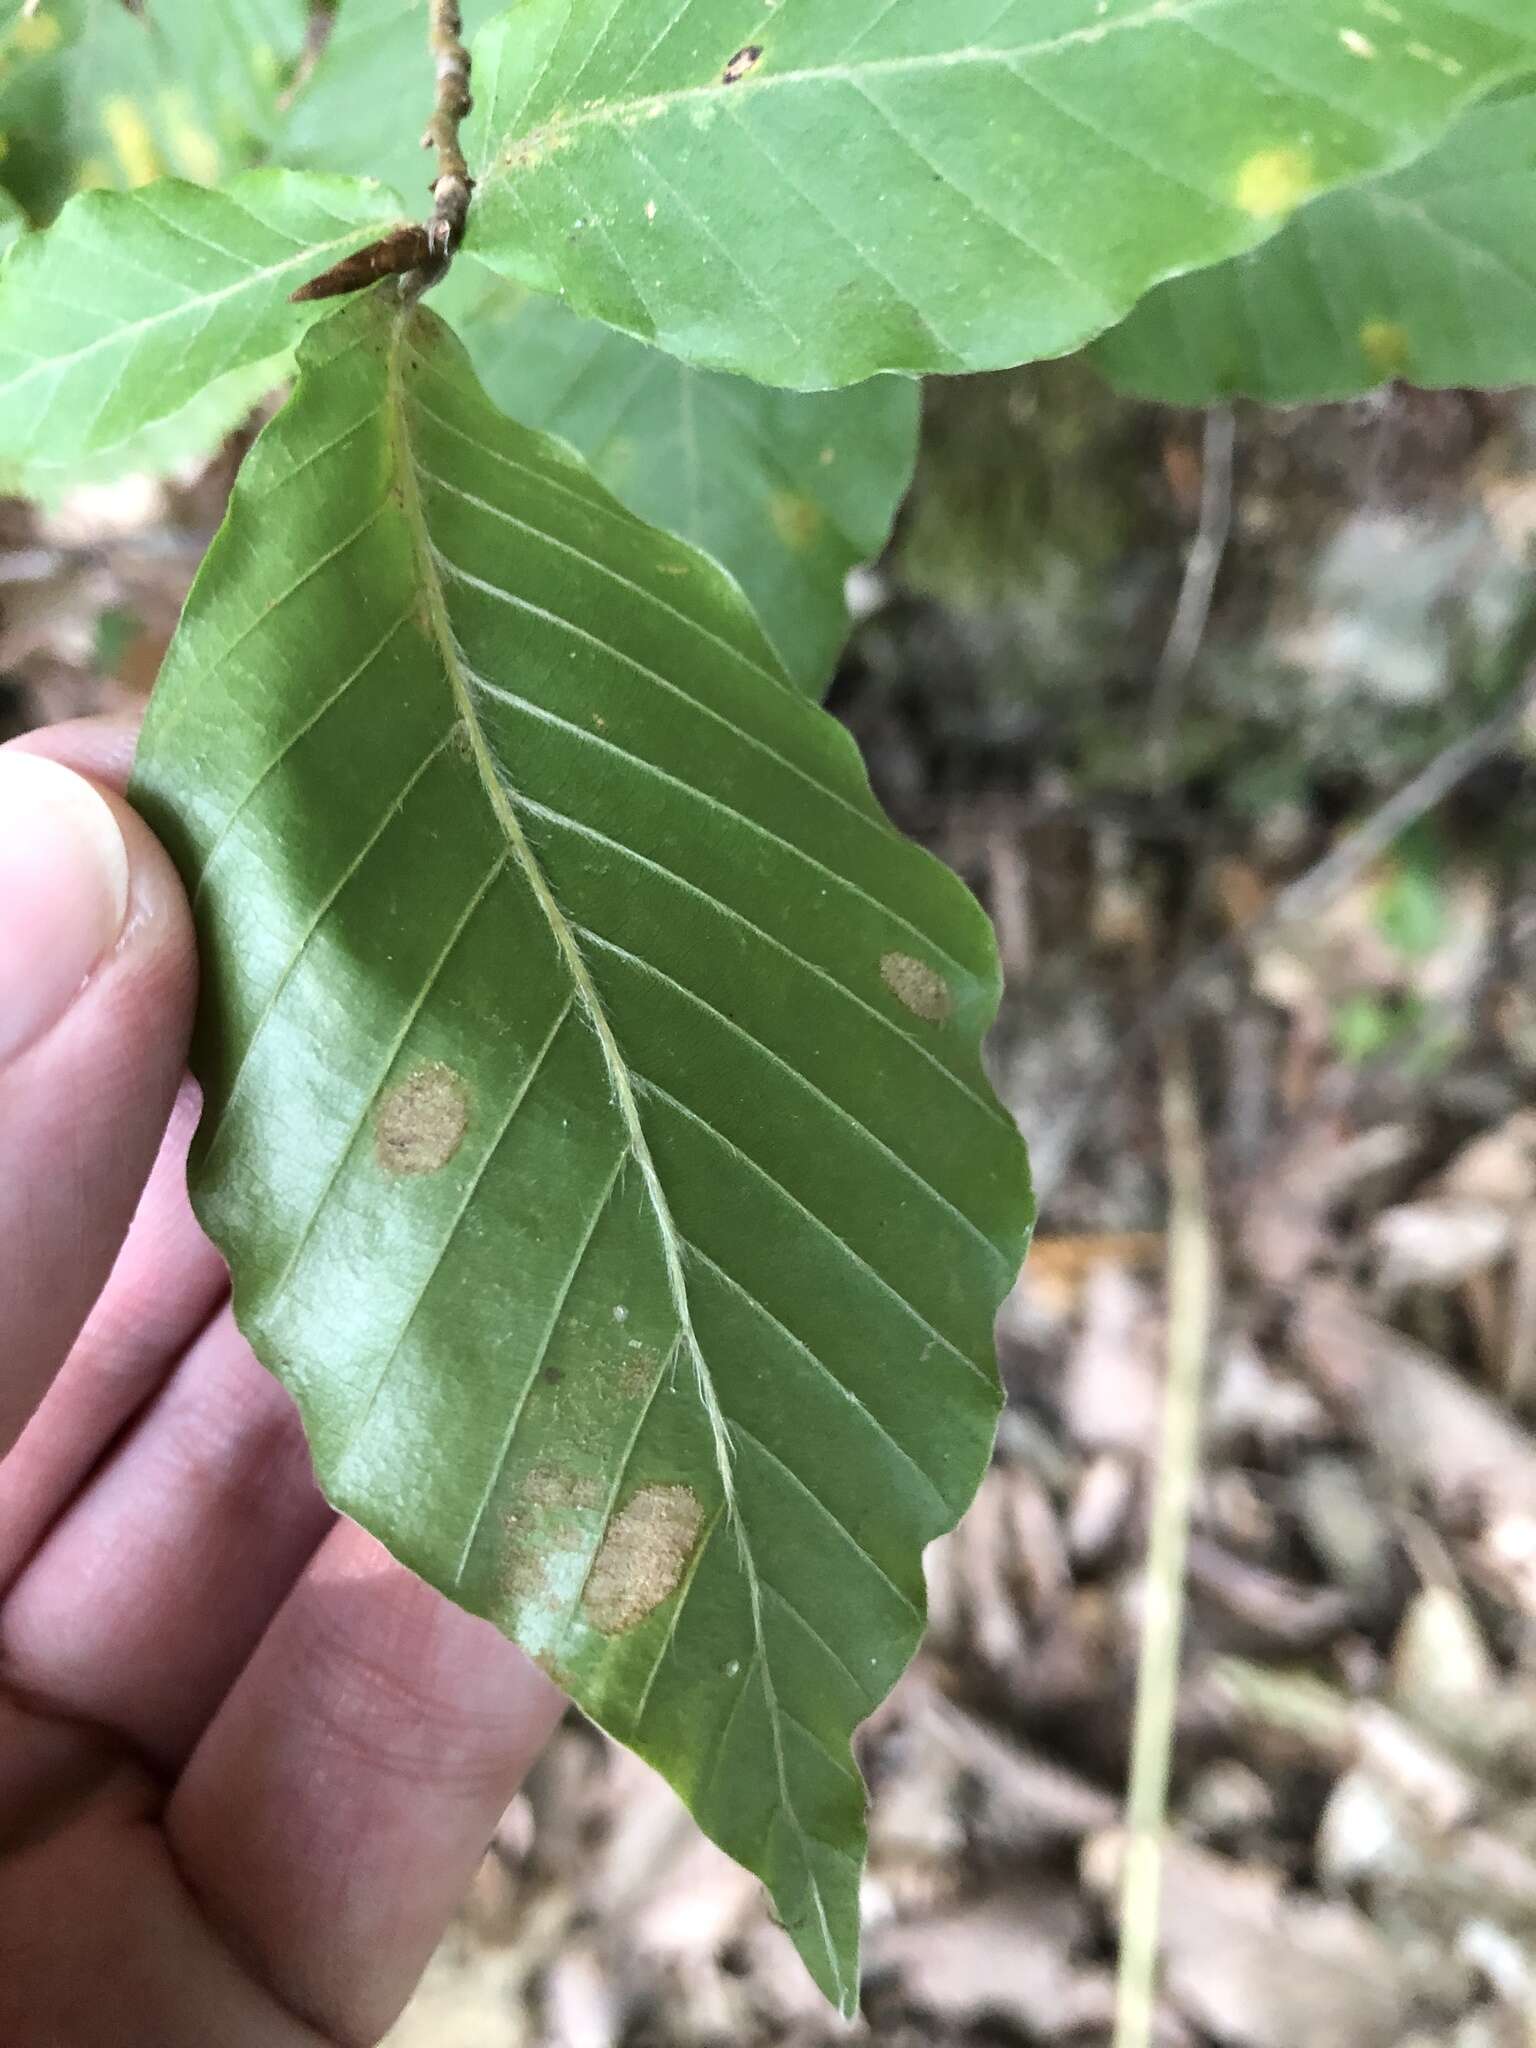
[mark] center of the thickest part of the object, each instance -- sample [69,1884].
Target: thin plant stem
[1198,590]
[1191,1296]
[453,185]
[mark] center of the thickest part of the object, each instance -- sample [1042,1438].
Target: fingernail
[63,893]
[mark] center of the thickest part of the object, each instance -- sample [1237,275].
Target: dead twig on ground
[1202,567]
[1303,899]
[1191,1300]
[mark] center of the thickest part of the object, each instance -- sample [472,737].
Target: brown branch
[318,31]
[453,185]
[420,255]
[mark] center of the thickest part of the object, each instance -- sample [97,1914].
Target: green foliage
[350,115]
[1414,910]
[145,322]
[595,1125]
[594,1112]
[789,489]
[92,94]
[821,190]
[1428,275]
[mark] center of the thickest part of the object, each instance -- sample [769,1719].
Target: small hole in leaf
[745,60]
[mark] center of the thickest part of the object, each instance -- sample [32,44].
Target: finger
[100,748]
[167,1281]
[338,1805]
[166,1284]
[97,972]
[149,1594]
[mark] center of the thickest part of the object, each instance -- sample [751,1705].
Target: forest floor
[1254,820]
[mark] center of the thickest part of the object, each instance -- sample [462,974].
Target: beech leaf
[788,489]
[816,190]
[594,1118]
[137,309]
[1428,275]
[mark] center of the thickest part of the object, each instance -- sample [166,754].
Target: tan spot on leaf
[642,1558]
[132,143]
[795,519]
[554,1486]
[637,1372]
[1386,347]
[421,1123]
[1274,181]
[197,154]
[543,1563]
[917,987]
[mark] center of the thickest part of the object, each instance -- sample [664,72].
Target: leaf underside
[595,1122]
[818,190]
[788,489]
[141,323]
[1428,275]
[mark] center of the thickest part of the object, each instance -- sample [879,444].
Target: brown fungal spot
[637,1372]
[745,60]
[553,1486]
[421,1123]
[917,987]
[642,1557]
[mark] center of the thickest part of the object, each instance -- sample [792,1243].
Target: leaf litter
[1352,1855]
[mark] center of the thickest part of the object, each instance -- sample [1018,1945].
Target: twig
[420,255]
[453,185]
[1191,1296]
[1203,566]
[1305,898]
[318,31]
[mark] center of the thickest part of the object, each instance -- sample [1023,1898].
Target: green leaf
[211,74]
[39,162]
[91,94]
[789,489]
[368,99]
[139,309]
[1428,275]
[595,1124]
[818,190]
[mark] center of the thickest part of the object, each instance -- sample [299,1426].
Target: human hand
[247,1762]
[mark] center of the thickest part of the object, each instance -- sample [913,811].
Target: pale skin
[248,1764]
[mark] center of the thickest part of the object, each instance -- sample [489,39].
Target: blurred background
[1226,718]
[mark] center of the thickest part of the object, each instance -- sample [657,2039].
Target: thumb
[97,978]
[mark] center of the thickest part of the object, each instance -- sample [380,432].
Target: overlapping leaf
[819,189]
[594,1115]
[1429,274]
[789,489]
[166,305]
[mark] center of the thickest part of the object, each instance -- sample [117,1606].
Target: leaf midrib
[458,676]
[609,112]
